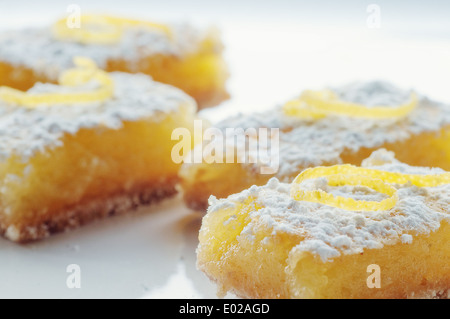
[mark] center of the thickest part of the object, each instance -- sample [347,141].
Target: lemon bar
[321,127]
[176,54]
[97,144]
[376,231]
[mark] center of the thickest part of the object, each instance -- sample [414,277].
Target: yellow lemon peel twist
[84,72]
[318,104]
[378,180]
[101,29]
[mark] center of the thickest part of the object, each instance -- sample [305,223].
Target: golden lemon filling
[271,242]
[178,55]
[65,164]
[322,128]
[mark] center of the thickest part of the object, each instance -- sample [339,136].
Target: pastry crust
[88,211]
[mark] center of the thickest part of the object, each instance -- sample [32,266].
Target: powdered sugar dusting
[23,132]
[375,93]
[330,232]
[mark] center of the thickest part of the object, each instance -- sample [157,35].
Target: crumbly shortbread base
[425,294]
[432,294]
[89,211]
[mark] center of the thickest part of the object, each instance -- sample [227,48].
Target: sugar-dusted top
[306,143]
[329,232]
[373,93]
[38,49]
[23,131]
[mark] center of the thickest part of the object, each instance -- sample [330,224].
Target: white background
[274,50]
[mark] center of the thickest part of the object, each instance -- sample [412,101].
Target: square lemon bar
[342,231]
[97,144]
[321,127]
[178,54]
